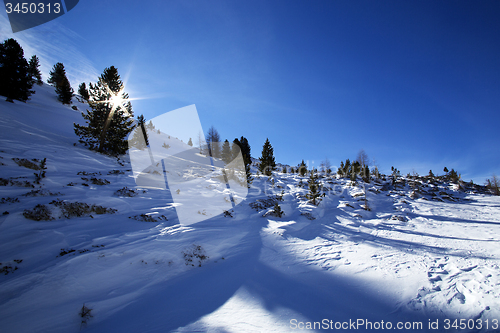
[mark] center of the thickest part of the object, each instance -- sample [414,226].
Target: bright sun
[116,100]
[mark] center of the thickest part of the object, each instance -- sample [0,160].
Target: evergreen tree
[140,138]
[267,162]
[431,174]
[395,175]
[340,170]
[190,142]
[15,80]
[453,176]
[355,170]
[150,126]
[57,75]
[109,121]
[59,80]
[244,148]
[226,154]
[277,210]
[314,190]
[82,90]
[34,71]
[234,150]
[366,174]
[302,170]
[64,91]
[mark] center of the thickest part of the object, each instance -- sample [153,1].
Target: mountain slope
[411,258]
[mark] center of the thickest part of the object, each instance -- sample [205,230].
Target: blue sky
[416,84]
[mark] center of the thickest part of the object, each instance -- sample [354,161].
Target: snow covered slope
[413,258]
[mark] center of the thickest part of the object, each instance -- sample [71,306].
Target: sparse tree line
[110,120]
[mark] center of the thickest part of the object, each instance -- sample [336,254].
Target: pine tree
[314,191]
[190,142]
[59,80]
[226,154]
[34,71]
[453,176]
[366,174]
[244,148]
[15,80]
[56,75]
[140,138]
[109,121]
[277,210]
[82,90]
[267,162]
[355,170]
[302,168]
[64,91]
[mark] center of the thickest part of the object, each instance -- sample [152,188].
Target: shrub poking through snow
[99,181]
[194,254]
[126,192]
[39,213]
[68,210]
[78,209]
[34,164]
[40,193]
[9,200]
[41,173]
[148,218]
[277,210]
[85,315]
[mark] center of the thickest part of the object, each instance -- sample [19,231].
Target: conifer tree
[83,91]
[314,191]
[302,170]
[56,75]
[244,147]
[190,142]
[140,138]
[355,170]
[453,176]
[366,174]
[267,162]
[34,71]
[15,80]
[277,210]
[109,121]
[59,80]
[64,91]
[226,154]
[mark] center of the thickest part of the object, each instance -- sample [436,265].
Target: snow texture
[414,256]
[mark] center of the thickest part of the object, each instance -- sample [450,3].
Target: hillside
[372,254]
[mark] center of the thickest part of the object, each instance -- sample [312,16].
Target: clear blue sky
[416,84]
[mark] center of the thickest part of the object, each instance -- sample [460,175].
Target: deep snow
[434,257]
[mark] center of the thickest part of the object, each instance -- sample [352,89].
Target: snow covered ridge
[415,252]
